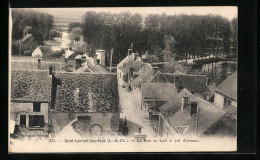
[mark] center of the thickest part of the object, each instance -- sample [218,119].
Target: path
[135,117]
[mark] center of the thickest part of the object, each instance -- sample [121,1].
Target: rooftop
[229,86]
[195,83]
[144,73]
[87,92]
[207,116]
[159,91]
[33,64]
[31,85]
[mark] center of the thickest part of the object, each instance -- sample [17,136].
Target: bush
[28,53]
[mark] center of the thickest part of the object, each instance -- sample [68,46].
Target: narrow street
[135,116]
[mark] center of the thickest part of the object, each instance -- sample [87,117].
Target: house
[226,95]
[73,63]
[47,52]
[31,98]
[196,117]
[155,95]
[90,100]
[126,68]
[143,75]
[82,62]
[28,43]
[196,84]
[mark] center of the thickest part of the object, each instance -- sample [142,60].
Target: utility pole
[20,49]
[111,57]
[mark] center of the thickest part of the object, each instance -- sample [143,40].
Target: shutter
[30,121]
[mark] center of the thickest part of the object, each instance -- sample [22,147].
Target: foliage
[26,20]
[74,25]
[75,34]
[15,48]
[234,29]
[163,36]
[26,30]
[28,53]
[54,33]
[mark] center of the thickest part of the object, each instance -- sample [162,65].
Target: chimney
[95,59]
[136,56]
[130,51]
[193,108]
[50,70]
[207,82]
[184,102]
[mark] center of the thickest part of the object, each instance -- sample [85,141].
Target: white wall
[17,109]
[120,79]
[219,100]
[101,57]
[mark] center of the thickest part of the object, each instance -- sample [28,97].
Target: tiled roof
[195,83]
[137,64]
[126,63]
[45,51]
[159,78]
[225,126]
[208,115]
[68,53]
[87,92]
[229,86]
[32,64]
[144,73]
[159,91]
[31,85]
[174,104]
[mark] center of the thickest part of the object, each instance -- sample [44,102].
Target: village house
[85,62]
[195,117]
[31,98]
[226,95]
[89,102]
[143,75]
[155,95]
[127,67]
[196,84]
[26,45]
[47,52]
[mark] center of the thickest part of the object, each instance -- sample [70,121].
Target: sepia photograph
[123,79]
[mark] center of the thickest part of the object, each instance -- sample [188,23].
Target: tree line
[28,21]
[162,36]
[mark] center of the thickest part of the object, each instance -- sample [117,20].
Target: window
[36,107]
[98,61]
[22,120]
[84,118]
[36,121]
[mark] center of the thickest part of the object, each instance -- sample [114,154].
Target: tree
[54,33]
[234,29]
[74,25]
[26,30]
[29,21]
[75,34]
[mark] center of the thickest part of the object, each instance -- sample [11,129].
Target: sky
[229,12]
